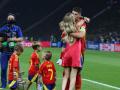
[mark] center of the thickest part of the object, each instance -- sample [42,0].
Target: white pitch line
[102,84]
[117,88]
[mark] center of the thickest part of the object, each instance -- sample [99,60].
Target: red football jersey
[13,65]
[83,40]
[34,62]
[48,72]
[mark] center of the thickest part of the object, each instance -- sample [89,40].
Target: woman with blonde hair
[71,58]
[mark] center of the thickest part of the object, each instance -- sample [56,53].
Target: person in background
[11,35]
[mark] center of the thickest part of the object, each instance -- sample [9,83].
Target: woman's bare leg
[65,77]
[73,75]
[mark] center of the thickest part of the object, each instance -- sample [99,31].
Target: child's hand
[59,62]
[39,79]
[15,75]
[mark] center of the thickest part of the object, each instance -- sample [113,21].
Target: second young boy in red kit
[47,71]
[34,64]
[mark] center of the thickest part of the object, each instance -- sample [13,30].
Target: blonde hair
[68,24]
[61,25]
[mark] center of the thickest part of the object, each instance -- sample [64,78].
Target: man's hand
[11,39]
[78,34]
[15,39]
[1,39]
[87,20]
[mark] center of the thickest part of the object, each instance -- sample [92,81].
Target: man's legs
[78,82]
[0,57]
[4,65]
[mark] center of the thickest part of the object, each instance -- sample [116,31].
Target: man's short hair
[11,17]
[77,9]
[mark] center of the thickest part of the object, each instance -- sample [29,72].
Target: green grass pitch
[102,67]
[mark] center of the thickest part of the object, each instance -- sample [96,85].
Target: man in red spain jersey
[47,71]
[82,28]
[81,23]
[34,64]
[14,69]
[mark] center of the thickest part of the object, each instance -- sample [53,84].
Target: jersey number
[51,71]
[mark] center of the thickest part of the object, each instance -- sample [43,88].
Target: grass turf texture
[99,66]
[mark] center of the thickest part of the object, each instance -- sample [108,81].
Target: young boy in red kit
[34,64]
[47,71]
[14,69]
